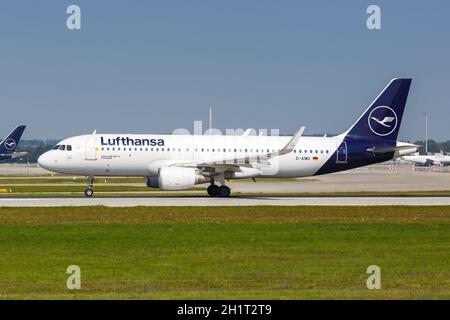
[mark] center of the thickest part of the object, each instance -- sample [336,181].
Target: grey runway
[234,201]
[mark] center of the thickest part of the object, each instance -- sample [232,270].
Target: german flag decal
[315,158]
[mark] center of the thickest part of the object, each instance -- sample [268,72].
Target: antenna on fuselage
[95,131]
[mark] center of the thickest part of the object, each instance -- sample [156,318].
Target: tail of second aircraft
[381,121]
[9,144]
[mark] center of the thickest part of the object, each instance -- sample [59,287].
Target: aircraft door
[341,153]
[91,153]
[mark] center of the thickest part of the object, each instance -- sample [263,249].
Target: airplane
[9,144]
[428,160]
[178,162]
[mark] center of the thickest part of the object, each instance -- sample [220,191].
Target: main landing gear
[89,192]
[215,191]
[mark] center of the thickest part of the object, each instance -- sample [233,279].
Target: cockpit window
[63,147]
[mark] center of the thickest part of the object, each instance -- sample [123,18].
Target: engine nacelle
[176,178]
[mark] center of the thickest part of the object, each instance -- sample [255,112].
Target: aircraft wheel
[224,192]
[213,190]
[88,192]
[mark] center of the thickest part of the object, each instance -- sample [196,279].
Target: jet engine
[176,178]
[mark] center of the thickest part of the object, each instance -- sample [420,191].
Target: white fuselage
[106,155]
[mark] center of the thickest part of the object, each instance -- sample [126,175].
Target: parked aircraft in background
[428,160]
[177,162]
[9,144]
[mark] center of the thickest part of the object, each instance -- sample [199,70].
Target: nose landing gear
[89,192]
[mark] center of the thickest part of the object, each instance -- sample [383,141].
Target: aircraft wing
[260,158]
[217,166]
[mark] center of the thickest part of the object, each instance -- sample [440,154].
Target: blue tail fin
[9,144]
[381,121]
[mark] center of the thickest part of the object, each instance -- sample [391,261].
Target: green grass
[224,252]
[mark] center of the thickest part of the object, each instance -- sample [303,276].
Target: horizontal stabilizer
[393,149]
[16,155]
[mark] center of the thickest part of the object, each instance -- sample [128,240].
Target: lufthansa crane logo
[382,121]
[10,144]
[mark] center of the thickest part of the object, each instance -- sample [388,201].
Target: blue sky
[153,66]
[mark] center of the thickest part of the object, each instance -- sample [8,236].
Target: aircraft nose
[45,161]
